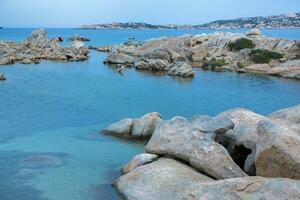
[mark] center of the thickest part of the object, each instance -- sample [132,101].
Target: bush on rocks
[264,56]
[240,65]
[213,63]
[242,43]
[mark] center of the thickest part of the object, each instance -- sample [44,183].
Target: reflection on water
[51,114]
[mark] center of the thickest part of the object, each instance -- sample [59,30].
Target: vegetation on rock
[242,43]
[240,65]
[264,56]
[213,63]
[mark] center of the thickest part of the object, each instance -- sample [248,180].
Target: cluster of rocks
[79,38]
[169,54]
[104,49]
[237,154]
[37,47]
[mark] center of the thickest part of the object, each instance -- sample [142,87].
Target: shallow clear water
[51,113]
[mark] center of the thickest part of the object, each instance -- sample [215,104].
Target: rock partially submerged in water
[165,179]
[141,128]
[107,48]
[41,161]
[245,188]
[223,147]
[79,38]
[119,58]
[181,69]
[37,47]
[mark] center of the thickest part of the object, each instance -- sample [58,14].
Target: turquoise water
[51,113]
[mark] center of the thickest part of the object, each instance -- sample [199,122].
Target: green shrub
[213,63]
[264,56]
[242,43]
[240,65]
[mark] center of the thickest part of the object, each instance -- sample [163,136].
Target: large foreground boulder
[141,128]
[165,179]
[178,138]
[278,151]
[247,188]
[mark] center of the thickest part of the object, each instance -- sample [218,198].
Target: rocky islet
[38,47]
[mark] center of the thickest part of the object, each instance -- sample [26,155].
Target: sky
[74,13]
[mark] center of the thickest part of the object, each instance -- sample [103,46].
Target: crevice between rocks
[238,152]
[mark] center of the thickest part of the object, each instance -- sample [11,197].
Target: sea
[51,113]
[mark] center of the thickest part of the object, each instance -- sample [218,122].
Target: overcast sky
[74,13]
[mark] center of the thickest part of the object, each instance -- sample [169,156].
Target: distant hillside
[278,21]
[131,25]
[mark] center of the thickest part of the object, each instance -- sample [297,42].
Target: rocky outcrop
[245,188]
[141,128]
[163,179]
[226,148]
[37,47]
[212,51]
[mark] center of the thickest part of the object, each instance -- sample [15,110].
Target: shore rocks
[182,69]
[163,179]
[241,141]
[245,188]
[107,48]
[179,139]
[225,148]
[38,46]
[277,153]
[153,65]
[119,58]
[181,54]
[139,160]
[79,38]
[141,128]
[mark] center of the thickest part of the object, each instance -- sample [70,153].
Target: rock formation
[250,52]
[211,157]
[37,47]
[141,128]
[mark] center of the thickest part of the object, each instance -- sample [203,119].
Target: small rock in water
[26,173]
[41,161]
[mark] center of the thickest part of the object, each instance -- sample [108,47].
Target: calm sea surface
[51,113]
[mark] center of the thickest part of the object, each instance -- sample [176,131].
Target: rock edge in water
[37,47]
[177,56]
[209,157]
